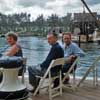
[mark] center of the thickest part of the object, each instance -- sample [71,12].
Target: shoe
[67,80]
[55,85]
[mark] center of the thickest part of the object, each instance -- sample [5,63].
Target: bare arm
[70,59]
[12,51]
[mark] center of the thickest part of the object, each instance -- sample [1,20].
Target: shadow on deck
[85,92]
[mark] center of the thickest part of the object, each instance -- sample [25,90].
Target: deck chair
[1,75]
[23,69]
[47,75]
[72,85]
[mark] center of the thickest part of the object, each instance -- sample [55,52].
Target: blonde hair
[65,33]
[13,35]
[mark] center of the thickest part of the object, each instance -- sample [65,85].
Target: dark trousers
[33,71]
[66,67]
[64,70]
[37,70]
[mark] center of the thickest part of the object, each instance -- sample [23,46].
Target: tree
[53,21]
[67,22]
[40,24]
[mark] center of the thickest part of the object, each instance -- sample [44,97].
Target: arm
[55,52]
[70,59]
[73,52]
[48,59]
[77,51]
[12,51]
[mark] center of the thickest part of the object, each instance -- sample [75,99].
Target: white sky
[46,7]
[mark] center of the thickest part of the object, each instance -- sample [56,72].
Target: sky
[46,7]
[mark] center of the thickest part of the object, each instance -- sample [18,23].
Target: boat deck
[85,92]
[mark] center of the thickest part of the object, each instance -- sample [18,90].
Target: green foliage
[40,26]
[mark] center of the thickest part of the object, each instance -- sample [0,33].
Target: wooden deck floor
[85,92]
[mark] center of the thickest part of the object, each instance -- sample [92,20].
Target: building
[85,22]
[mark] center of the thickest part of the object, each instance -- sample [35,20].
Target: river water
[35,49]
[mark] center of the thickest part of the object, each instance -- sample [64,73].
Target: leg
[1,76]
[33,71]
[56,82]
[64,71]
[32,79]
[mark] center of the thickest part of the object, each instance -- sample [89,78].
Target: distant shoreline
[24,35]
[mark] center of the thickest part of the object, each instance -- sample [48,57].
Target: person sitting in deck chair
[14,49]
[56,51]
[71,52]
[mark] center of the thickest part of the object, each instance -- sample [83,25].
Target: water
[36,49]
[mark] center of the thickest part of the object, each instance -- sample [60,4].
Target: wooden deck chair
[59,61]
[23,69]
[72,85]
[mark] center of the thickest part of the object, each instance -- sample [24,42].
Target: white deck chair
[72,85]
[24,69]
[59,61]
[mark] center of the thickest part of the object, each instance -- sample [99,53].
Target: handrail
[92,67]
